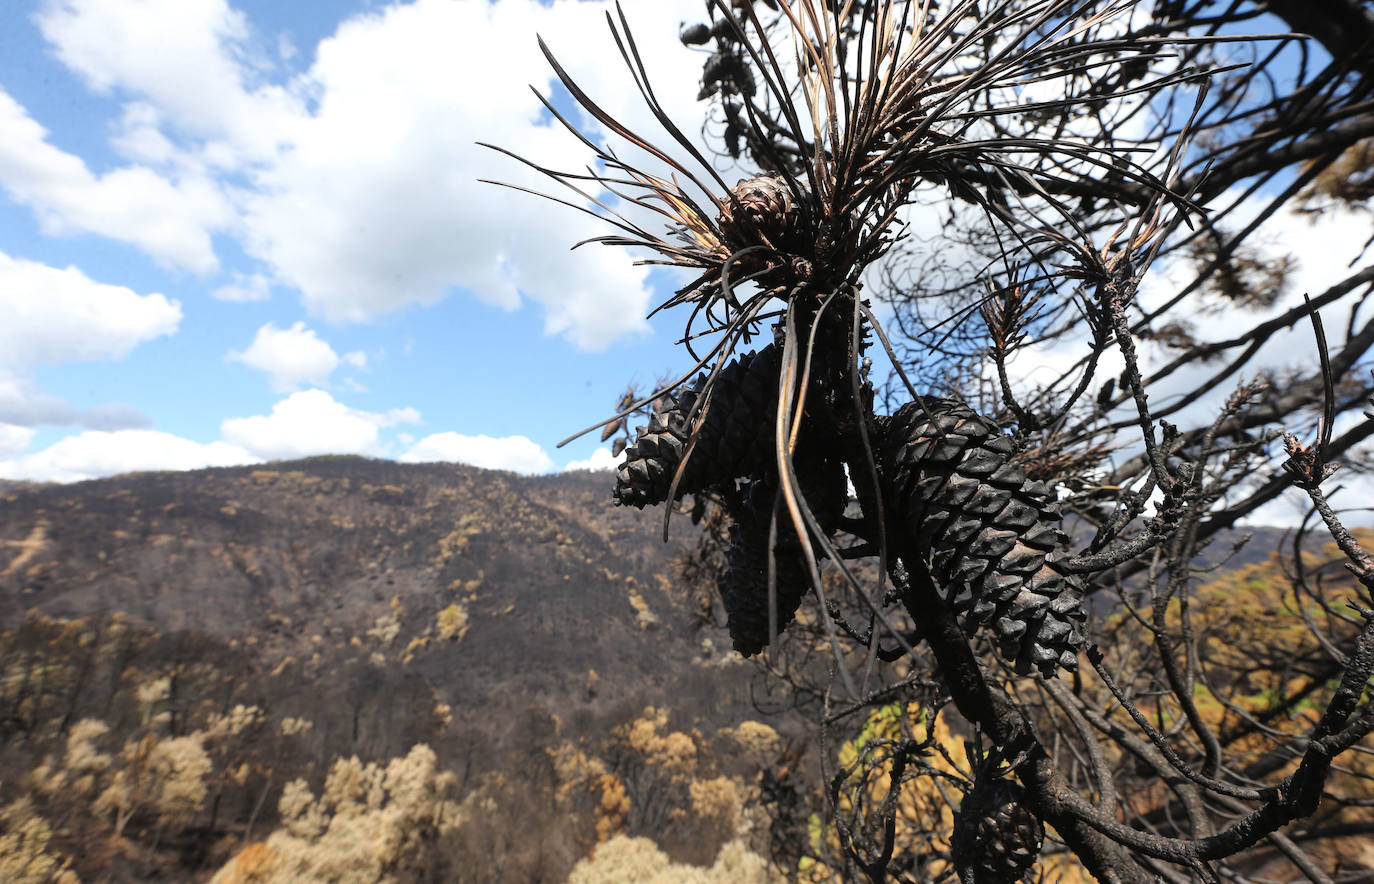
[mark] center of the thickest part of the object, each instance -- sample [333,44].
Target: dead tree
[908,529]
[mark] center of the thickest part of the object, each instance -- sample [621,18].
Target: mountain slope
[542,579]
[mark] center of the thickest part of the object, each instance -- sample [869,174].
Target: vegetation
[164,784]
[301,690]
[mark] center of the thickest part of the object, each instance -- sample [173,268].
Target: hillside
[310,553]
[313,624]
[490,617]
[302,558]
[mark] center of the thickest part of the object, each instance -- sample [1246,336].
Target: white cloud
[1336,235]
[140,137]
[94,453]
[1322,245]
[378,206]
[292,357]
[170,221]
[301,425]
[14,439]
[601,459]
[515,453]
[244,288]
[203,80]
[53,316]
[1289,509]
[356,181]
[312,422]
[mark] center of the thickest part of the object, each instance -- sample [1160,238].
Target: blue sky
[233,232]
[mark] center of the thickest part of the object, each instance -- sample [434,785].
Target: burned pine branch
[873,542]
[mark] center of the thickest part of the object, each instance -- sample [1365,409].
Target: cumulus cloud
[171,221]
[378,206]
[23,404]
[515,453]
[95,453]
[206,81]
[292,357]
[356,180]
[312,422]
[303,424]
[140,137]
[1289,509]
[54,316]
[601,459]
[14,439]
[1337,236]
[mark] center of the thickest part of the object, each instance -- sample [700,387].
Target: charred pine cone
[762,210]
[996,838]
[735,437]
[989,532]
[769,211]
[744,590]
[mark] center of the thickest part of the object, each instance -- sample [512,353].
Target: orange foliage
[612,809]
[254,863]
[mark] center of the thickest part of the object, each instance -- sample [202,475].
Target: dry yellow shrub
[717,800]
[385,629]
[82,755]
[179,767]
[623,860]
[453,622]
[239,719]
[24,857]
[1061,868]
[443,713]
[165,778]
[575,769]
[924,813]
[371,824]
[252,864]
[643,614]
[290,727]
[77,773]
[612,809]
[759,742]
[149,694]
[674,753]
